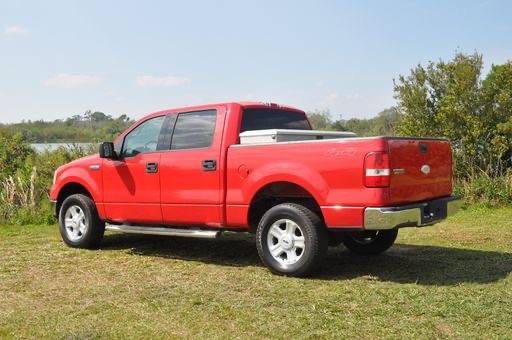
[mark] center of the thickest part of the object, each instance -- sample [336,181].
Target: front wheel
[291,240]
[370,242]
[79,224]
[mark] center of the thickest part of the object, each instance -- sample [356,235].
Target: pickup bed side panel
[330,171]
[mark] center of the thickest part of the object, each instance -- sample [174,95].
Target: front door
[131,184]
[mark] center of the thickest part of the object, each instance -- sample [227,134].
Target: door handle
[151,167]
[209,165]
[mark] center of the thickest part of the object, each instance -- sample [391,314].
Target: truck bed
[331,171]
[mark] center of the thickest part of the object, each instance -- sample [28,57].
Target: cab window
[263,119]
[144,138]
[194,130]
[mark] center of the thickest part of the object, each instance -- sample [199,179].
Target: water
[42,147]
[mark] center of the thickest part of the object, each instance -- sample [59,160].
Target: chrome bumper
[416,215]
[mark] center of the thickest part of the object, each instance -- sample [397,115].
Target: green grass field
[452,280]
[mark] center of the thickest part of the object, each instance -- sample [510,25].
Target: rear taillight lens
[376,170]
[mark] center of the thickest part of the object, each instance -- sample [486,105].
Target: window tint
[194,130]
[144,138]
[262,119]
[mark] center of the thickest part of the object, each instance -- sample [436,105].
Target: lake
[42,147]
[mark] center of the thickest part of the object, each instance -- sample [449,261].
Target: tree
[338,126]
[449,99]
[497,101]
[14,150]
[385,123]
[100,117]
[97,127]
[320,119]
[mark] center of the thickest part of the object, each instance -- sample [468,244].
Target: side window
[144,138]
[194,130]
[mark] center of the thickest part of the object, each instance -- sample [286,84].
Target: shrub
[486,190]
[26,178]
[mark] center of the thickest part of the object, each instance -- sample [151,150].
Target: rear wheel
[291,240]
[79,224]
[370,242]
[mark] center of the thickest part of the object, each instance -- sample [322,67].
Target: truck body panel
[184,191]
[130,194]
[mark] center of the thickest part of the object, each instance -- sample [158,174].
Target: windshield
[263,119]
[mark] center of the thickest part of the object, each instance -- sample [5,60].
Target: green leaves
[450,100]
[13,152]
[382,125]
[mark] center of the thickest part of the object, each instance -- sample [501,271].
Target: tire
[298,239]
[79,224]
[370,242]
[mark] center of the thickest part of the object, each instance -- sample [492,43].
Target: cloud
[14,30]
[162,81]
[67,80]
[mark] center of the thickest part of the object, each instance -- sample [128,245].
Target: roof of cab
[208,106]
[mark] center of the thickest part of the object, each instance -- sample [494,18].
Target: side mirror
[107,150]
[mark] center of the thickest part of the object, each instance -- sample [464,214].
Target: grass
[452,280]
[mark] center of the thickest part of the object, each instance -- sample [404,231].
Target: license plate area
[434,211]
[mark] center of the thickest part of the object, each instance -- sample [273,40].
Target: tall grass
[24,191]
[486,190]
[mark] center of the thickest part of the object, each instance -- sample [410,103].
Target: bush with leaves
[450,100]
[26,178]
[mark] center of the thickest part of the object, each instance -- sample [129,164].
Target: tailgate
[421,169]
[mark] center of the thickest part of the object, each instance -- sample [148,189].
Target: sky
[61,58]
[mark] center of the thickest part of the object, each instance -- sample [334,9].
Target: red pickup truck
[185,172]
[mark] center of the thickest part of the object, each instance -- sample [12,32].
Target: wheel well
[68,190]
[276,193]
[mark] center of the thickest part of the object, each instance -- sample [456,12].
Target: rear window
[194,130]
[263,119]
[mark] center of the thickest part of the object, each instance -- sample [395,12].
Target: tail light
[376,170]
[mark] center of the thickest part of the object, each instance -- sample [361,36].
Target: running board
[197,233]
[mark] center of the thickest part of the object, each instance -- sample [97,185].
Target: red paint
[129,193]
[333,173]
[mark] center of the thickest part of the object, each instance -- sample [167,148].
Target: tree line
[88,127]
[98,126]
[384,124]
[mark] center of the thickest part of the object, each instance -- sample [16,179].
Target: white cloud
[72,80]
[162,81]
[14,30]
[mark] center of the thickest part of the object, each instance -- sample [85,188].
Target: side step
[197,233]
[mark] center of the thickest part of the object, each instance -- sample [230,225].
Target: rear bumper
[414,215]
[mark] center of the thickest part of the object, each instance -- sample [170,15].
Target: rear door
[191,170]
[421,169]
